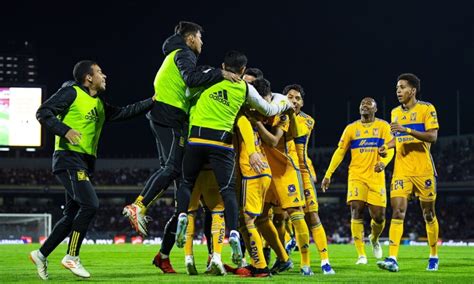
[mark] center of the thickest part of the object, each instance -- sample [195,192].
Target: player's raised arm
[255,158]
[270,137]
[278,105]
[336,159]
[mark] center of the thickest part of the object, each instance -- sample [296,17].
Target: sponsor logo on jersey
[93,115]
[220,96]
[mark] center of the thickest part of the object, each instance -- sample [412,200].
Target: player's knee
[313,218]
[398,213]
[261,220]
[278,220]
[172,171]
[357,213]
[428,215]
[379,219]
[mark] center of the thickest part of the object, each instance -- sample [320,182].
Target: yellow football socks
[395,235]
[357,229]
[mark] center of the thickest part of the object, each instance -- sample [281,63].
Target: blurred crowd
[454,162]
[453,216]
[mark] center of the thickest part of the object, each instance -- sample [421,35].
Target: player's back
[413,156]
[284,155]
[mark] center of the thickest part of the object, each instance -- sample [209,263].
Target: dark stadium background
[340,51]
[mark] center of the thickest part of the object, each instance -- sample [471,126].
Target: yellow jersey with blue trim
[364,139]
[306,123]
[413,157]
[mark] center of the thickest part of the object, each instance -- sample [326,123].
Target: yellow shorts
[253,194]
[310,195]
[207,187]
[374,194]
[423,186]
[285,190]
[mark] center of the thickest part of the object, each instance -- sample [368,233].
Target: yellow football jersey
[364,139]
[413,157]
[301,143]
[285,151]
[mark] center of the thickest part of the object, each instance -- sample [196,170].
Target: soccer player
[366,180]
[76,114]
[255,184]
[295,94]
[207,190]
[415,126]
[210,139]
[285,190]
[167,121]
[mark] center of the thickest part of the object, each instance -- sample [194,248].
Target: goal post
[24,227]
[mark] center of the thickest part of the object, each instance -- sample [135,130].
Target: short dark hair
[295,87]
[257,73]
[184,28]
[412,80]
[82,69]
[234,60]
[263,87]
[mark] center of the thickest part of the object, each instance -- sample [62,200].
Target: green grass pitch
[132,264]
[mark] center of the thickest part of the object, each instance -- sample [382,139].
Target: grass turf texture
[132,264]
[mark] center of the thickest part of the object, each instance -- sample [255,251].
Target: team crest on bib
[357,133]
[82,176]
[375,132]
[413,116]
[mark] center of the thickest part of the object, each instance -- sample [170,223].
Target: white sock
[236,232]
[433,256]
[164,256]
[217,256]
[324,262]
[393,257]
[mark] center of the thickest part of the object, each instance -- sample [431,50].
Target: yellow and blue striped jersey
[413,157]
[364,139]
[306,123]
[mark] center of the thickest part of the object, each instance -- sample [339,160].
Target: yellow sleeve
[297,129]
[340,152]
[431,118]
[388,158]
[387,136]
[336,160]
[283,122]
[311,168]
[346,138]
[245,129]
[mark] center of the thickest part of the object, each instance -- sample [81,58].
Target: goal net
[24,228]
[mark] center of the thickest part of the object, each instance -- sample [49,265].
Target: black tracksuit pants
[81,206]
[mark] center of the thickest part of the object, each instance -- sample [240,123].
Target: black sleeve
[115,113]
[195,76]
[56,104]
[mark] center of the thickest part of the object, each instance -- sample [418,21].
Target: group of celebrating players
[240,151]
